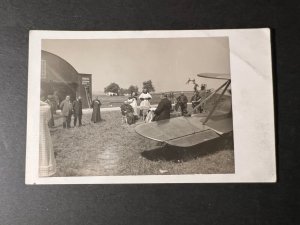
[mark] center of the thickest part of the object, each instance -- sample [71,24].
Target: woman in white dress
[145,103]
[47,164]
[132,101]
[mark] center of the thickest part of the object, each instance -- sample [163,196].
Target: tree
[148,85]
[124,91]
[113,87]
[132,89]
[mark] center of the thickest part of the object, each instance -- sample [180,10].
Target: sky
[168,62]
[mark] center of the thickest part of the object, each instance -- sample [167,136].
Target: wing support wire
[210,96]
[227,83]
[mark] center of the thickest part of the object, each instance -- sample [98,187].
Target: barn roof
[55,68]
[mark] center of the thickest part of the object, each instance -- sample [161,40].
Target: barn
[57,75]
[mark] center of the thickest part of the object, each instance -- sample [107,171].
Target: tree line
[116,89]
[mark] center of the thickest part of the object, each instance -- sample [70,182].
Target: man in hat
[96,115]
[77,109]
[66,111]
[163,109]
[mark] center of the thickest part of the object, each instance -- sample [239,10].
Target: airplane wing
[221,76]
[190,131]
[180,131]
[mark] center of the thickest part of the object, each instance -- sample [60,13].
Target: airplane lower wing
[179,131]
[221,126]
[193,139]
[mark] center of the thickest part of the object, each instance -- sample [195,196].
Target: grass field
[116,101]
[113,148]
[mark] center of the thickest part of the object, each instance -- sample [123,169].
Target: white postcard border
[252,101]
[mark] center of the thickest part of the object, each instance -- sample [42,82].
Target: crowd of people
[129,109]
[71,109]
[134,108]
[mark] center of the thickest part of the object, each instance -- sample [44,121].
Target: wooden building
[84,89]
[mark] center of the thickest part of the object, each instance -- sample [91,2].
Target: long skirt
[47,164]
[96,116]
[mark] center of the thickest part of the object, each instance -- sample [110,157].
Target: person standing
[66,110]
[196,100]
[47,163]
[145,103]
[203,94]
[56,100]
[51,103]
[134,95]
[163,109]
[182,102]
[96,116]
[77,109]
[173,100]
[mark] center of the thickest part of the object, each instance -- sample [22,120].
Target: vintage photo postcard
[190,106]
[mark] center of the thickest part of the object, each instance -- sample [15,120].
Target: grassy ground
[116,101]
[113,148]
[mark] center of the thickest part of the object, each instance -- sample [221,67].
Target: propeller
[190,80]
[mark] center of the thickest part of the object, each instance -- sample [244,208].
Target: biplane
[195,128]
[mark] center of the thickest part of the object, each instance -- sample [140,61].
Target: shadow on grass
[179,154]
[100,121]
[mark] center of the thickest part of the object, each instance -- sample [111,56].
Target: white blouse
[145,104]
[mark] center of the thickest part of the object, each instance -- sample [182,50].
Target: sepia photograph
[134,107]
[149,112]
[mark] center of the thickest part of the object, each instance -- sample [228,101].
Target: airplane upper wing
[221,76]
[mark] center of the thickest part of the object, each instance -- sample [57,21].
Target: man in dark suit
[182,102]
[163,109]
[77,109]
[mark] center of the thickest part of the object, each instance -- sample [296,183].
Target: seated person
[127,112]
[132,101]
[150,116]
[163,109]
